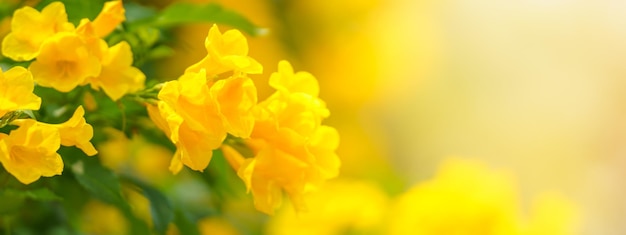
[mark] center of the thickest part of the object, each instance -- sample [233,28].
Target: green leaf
[223,178]
[103,184]
[148,36]
[160,51]
[182,13]
[99,181]
[138,13]
[40,194]
[77,9]
[185,225]
[160,207]
[13,199]
[10,203]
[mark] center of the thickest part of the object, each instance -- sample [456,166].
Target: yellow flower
[298,112]
[30,29]
[464,198]
[77,132]
[341,205]
[111,16]
[235,98]
[228,51]
[197,114]
[198,110]
[292,151]
[295,105]
[116,151]
[65,62]
[188,116]
[74,132]
[118,77]
[94,44]
[552,214]
[216,226]
[120,153]
[29,152]
[101,218]
[287,162]
[16,91]
[287,82]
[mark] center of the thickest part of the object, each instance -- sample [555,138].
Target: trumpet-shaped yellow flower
[190,119]
[196,114]
[74,132]
[286,81]
[77,132]
[287,162]
[29,152]
[298,112]
[111,16]
[340,206]
[95,45]
[226,52]
[464,198]
[65,62]
[118,77]
[235,98]
[295,105]
[552,214]
[16,91]
[293,152]
[31,28]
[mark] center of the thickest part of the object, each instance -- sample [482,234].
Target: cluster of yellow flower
[30,151]
[291,150]
[68,56]
[213,104]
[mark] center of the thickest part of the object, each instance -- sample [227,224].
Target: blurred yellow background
[533,86]
[536,87]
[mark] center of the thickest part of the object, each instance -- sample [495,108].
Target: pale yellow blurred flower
[115,151]
[145,160]
[464,198]
[99,218]
[339,207]
[139,204]
[216,226]
[553,214]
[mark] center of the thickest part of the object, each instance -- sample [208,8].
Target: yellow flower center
[17,153]
[65,66]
